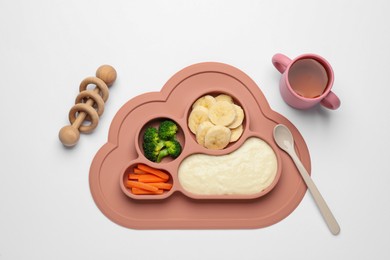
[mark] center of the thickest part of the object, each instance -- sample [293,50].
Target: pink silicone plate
[178,208]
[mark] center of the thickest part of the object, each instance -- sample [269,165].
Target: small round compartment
[129,169]
[155,122]
[245,122]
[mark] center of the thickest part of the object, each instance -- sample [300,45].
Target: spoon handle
[324,209]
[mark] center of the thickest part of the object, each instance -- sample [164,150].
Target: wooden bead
[69,135]
[106,73]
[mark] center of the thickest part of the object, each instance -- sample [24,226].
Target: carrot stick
[161,185]
[149,178]
[133,176]
[141,185]
[138,171]
[151,170]
[138,191]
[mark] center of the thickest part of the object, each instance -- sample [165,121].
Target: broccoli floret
[167,130]
[162,142]
[172,148]
[151,135]
[153,150]
[152,144]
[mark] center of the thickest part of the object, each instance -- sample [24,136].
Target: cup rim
[326,66]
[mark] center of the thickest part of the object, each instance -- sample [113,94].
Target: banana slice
[217,137]
[205,101]
[236,133]
[222,113]
[198,115]
[202,130]
[224,97]
[239,117]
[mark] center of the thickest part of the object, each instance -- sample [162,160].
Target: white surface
[48,47]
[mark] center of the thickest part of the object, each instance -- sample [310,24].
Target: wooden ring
[93,115]
[94,96]
[99,83]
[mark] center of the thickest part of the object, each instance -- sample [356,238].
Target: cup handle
[331,101]
[281,62]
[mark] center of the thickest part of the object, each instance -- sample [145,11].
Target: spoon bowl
[283,137]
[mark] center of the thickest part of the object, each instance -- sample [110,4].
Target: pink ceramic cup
[327,99]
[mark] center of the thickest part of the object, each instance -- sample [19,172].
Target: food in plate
[239,117]
[248,170]
[202,130]
[198,115]
[161,142]
[217,137]
[205,101]
[145,180]
[236,133]
[224,97]
[221,112]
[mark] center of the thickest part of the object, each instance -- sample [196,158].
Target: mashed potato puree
[248,170]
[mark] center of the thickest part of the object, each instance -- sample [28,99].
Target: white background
[48,47]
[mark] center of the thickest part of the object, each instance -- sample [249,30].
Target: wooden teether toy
[89,105]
